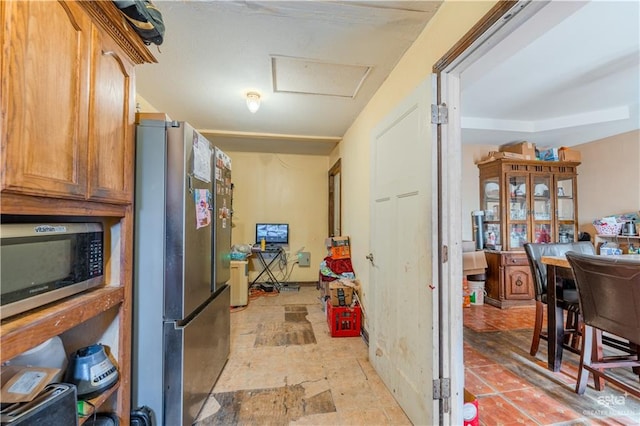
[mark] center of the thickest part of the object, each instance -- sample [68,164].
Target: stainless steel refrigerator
[181,267]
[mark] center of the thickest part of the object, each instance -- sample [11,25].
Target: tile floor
[286,369]
[515,388]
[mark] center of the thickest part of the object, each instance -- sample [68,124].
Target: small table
[266,266]
[558,266]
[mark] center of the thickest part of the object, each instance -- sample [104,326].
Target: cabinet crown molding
[109,17]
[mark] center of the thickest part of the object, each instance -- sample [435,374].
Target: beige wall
[471,154]
[282,188]
[451,22]
[608,178]
[279,188]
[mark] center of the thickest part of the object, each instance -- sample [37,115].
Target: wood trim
[125,343]
[28,330]
[18,204]
[98,401]
[335,169]
[111,19]
[474,33]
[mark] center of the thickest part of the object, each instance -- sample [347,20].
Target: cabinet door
[45,65]
[111,123]
[490,197]
[517,193]
[542,208]
[566,207]
[517,282]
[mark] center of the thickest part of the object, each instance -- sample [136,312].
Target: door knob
[370,257]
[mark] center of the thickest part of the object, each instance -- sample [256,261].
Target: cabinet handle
[519,282]
[513,260]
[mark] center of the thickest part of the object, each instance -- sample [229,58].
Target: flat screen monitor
[273,233]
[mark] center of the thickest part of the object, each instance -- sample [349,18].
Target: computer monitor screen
[273,233]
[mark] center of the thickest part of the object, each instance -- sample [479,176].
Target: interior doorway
[499,24]
[335,199]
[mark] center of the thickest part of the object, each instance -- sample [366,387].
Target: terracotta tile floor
[514,388]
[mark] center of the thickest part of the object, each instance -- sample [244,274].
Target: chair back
[609,293]
[535,251]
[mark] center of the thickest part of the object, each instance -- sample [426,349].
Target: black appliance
[56,405]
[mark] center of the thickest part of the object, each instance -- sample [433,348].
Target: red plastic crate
[343,321]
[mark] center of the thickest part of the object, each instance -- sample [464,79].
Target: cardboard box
[24,383]
[339,292]
[495,155]
[159,116]
[473,263]
[528,149]
[567,154]
[340,248]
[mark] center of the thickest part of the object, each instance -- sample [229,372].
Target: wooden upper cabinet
[45,89]
[111,123]
[67,99]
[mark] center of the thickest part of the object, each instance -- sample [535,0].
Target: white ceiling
[216,51]
[569,75]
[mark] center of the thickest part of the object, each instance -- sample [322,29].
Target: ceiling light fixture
[253,101]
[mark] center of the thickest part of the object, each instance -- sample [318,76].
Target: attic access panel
[309,76]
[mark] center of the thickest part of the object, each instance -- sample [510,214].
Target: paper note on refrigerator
[202,199]
[201,158]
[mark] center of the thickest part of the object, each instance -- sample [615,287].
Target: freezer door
[222,230]
[189,221]
[195,355]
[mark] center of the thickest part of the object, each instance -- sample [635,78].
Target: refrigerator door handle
[190,182]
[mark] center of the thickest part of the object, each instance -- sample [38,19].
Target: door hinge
[439,114]
[441,389]
[445,254]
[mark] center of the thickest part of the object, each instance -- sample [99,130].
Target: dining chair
[569,298]
[609,296]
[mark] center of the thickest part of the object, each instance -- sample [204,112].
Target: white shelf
[623,237]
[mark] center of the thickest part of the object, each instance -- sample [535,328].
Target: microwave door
[42,263]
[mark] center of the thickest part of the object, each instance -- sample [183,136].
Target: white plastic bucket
[49,354]
[476,288]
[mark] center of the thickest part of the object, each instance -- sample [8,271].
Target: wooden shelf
[97,402]
[25,331]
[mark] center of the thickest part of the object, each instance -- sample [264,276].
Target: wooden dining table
[559,267]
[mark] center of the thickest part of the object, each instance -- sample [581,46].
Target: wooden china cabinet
[67,154]
[523,201]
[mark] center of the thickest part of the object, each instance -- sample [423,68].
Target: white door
[403,345]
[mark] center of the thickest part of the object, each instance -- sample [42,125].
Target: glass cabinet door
[565,209]
[517,235]
[491,205]
[542,208]
[518,210]
[527,201]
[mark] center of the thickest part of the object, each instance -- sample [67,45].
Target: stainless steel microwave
[44,262]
